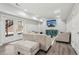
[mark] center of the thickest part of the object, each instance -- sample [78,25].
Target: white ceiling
[48,10]
[12,9]
[39,10]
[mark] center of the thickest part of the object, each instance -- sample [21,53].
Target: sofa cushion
[29,46]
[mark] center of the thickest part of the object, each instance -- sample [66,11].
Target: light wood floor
[56,49]
[59,49]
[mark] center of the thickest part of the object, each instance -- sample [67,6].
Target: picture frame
[8,27]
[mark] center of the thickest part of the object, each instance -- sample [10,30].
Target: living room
[25,33]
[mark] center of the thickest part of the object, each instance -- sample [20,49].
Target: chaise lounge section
[26,47]
[44,40]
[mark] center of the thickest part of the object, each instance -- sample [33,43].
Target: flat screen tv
[51,23]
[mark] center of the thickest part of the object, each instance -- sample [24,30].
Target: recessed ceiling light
[58,16]
[22,14]
[41,20]
[25,10]
[57,11]
[34,18]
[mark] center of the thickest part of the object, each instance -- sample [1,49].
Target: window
[19,27]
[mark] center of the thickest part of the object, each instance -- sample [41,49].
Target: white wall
[12,12]
[73,27]
[3,38]
[61,26]
[28,26]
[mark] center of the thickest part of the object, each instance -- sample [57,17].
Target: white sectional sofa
[42,39]
[63,37]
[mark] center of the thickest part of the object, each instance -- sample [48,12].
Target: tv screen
[51,23]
